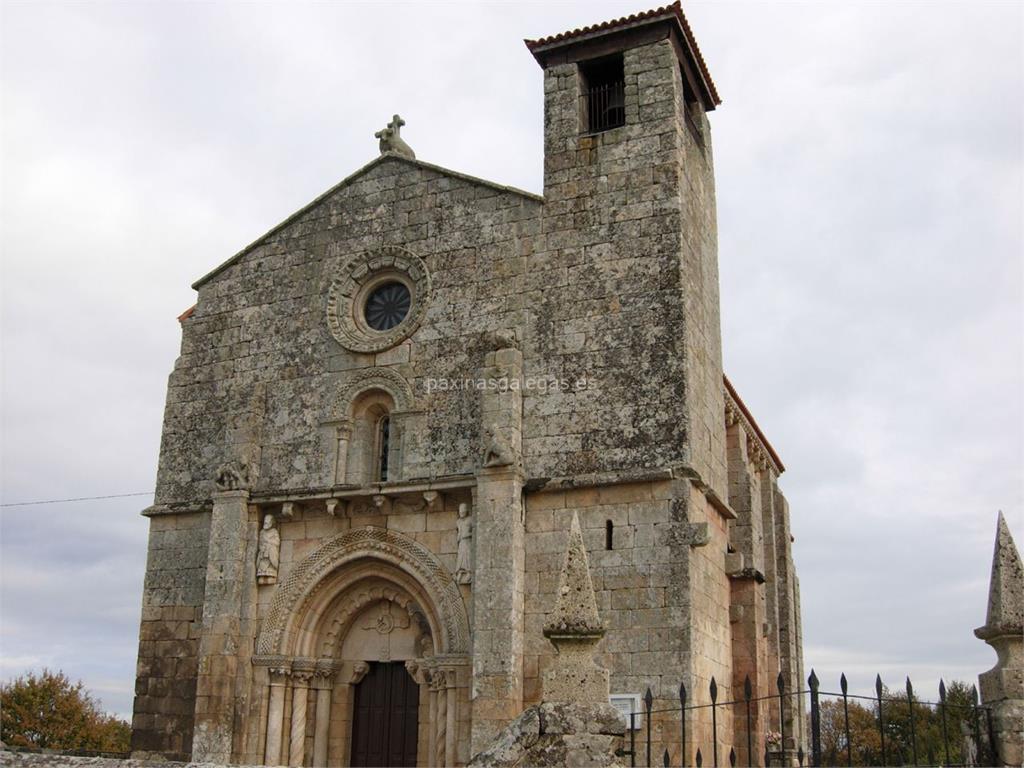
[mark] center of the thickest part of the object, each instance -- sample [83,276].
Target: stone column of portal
[432,723]
[497,684]
[452,728]
[437,685]
[275,716]
[297,738]
[343,434]
[1002,687]
[221,629]
[324,684]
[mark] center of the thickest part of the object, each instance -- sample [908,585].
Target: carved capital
[323,675]
[280,675]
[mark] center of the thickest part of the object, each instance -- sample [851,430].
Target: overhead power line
[79,498]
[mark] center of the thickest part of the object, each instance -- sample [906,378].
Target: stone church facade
[387,410]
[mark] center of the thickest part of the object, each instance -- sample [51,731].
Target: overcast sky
[869,172]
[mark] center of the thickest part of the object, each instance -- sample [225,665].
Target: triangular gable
[345,182]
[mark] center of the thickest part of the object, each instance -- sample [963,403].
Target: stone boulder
[557,734]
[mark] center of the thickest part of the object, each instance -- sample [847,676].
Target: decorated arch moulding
[367,379]
[299,588]
[356,600]
[356,277]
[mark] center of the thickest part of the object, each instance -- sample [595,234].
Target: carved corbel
[289,508]
[434,501]
[699,535]
[416,671]
[735,562]
[332,506]
[378,504]
[359,671]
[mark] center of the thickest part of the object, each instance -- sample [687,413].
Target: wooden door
[385,717]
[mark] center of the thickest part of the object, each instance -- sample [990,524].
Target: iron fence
[840,728]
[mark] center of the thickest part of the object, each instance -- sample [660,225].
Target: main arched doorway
[385,717]
[366,641]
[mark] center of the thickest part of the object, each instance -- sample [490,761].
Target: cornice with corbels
[757,452]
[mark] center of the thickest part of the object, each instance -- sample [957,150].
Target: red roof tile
[675,10]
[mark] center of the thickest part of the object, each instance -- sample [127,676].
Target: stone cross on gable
[391,139]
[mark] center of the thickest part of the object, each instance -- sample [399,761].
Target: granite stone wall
[172,612]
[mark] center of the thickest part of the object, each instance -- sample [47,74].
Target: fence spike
[846,720]
[767,754]
[812,681]
[913,734]
[732,757]
[942,712]
[648,701]
[881,717]
[800,755]
[664,759]
[714,721]
[780,681]
[700,758]
[682,724]
[748,690]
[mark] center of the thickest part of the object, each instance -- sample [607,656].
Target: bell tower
[630,214]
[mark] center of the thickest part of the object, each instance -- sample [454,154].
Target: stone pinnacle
[1006,588]
[576,606]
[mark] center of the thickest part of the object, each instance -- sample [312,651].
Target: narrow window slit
[609,531]
[383,440]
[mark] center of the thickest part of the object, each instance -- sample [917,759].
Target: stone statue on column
[464,559]
[268,554]
[1002,687]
